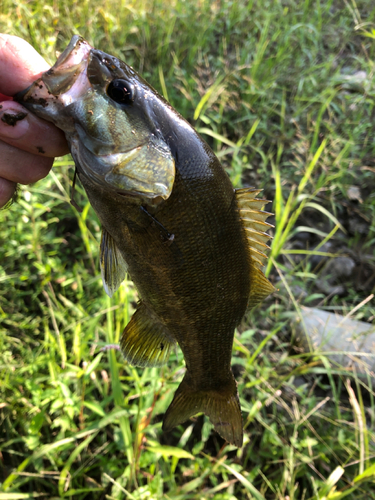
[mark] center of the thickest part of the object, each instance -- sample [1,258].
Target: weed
[284,93]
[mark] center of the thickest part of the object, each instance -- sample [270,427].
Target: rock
[353,341]
[338,269]
[354,193]
[356,82]
[317,260]
[303,236]
[334,272]
[298,292]
[324,287]
[360,76]
[357,225]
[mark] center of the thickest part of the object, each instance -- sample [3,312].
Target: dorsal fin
[253,220]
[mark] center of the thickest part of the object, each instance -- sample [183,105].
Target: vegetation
[284,92]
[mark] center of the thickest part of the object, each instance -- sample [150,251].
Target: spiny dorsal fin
[253,219]
[146,341]
[112,264]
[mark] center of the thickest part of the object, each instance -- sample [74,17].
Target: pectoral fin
[253,219]
[112,264]
[146,341]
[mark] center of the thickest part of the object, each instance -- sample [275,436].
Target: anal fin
[253,220]
[112,264]
[145,340]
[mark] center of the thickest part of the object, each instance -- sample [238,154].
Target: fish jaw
[113,146]
[65,82]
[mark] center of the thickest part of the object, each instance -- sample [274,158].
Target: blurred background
[284,93]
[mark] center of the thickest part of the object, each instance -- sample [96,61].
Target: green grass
[273,87]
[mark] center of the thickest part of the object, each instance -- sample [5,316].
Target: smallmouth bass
[193,245]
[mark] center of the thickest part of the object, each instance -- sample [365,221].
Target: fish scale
[193,245]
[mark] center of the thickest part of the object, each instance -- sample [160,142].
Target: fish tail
[220,405]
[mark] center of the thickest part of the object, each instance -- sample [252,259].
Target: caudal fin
[221,406]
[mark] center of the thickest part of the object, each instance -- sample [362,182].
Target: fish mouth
[63,83]
[70,66]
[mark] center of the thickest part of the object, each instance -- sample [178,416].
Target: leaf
[217,136]
[115,415]
[70,461]
[95,407]
[250,487]
[94,363]
[339,495]
[367,475]
[333,478]
[170,451]
[321,209]
[16,496]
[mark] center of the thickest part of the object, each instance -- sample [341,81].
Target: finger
[22,129]
[4,97]
[23,167]
[20,64]
[7,189]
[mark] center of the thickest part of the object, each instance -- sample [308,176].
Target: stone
[339,268]
[347,342]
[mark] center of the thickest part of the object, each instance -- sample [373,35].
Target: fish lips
[69,67]
[63,83]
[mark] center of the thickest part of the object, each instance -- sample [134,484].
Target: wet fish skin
[191,243]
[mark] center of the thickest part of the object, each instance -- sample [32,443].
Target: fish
[192,244]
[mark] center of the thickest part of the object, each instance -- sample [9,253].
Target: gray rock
[358,225]
[323,286]
[334,272]
[355,82]
[338,268]
[317,260]
[303,236]
[346,341]
[298,292]
[354,193]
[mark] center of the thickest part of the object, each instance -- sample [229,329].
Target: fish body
[191,243]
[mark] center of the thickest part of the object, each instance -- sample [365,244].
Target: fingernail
[13,124]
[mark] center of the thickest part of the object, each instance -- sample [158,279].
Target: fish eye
[121,91]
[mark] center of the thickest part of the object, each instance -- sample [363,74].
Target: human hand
[28,144]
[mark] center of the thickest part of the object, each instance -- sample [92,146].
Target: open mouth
[69,67]
[64,81]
